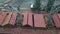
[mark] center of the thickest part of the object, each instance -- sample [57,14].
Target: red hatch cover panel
[13,18]
[2,16]
[27,32]
[7,19]
[25,17]
[30,21]
[56,20]
[39,20]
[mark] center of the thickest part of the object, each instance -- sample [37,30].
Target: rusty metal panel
[39,20]
[56,20]
[27,32]
[13,18]
[25,18]
[2,17]
[30,19]
[7,19]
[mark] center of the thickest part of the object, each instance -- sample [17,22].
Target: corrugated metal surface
[39,21]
